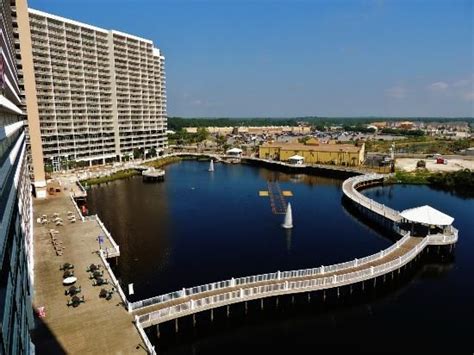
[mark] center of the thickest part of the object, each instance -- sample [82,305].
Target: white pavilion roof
[427,215]
[234,150]
[296,157]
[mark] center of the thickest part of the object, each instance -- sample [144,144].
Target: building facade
[16,243]
[313,153]
[101,93]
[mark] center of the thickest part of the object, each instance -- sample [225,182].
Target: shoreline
[461,181]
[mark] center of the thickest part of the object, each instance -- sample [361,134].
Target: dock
[152,174]
[112,324]
[96,326]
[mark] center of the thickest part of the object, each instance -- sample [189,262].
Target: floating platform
[153,174]
[265,193]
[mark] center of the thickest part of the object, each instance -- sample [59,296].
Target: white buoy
[288,223]
[211,165]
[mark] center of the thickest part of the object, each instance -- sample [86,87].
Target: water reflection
[288,232]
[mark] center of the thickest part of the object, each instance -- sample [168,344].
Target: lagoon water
[199,227]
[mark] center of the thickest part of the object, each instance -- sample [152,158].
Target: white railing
[114,279]
[279,288]
[349,187]
[255,279]
[116,248]
[83,190]
[149,346]
[76,207]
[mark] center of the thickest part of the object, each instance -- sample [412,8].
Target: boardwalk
[96,326]
[277,200]
[187,301]
[197,299]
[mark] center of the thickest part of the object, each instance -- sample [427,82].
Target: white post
[371,270]
[286,285]
[191,304]
[322,269]
[183,292]
[356,262]
[278,275]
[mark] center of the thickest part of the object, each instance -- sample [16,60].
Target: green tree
[202,134]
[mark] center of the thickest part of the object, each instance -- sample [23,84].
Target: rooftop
[427,215]
[313,147]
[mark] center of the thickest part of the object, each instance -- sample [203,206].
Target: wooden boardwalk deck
[189,301]
[96,326]
[410,244]
[117,332]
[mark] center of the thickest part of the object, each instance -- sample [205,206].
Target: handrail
[150,347]
[255,279]
[114,279]
[284,287]
[116,252]
[352,193]
[76,207]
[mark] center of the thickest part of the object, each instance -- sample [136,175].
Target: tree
[137,153]
[202,134]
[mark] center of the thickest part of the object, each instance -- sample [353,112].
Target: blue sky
[229,58]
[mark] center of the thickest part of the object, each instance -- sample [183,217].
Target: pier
[152,174]
[188,301]
[96,326]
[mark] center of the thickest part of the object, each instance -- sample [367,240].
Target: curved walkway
[188,301]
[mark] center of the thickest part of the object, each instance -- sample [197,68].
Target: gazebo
[296,160]
[236,152]
[426,218]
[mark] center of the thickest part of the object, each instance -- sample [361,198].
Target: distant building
[315,153]
[254,130]
[224,131]
[379,125]
[405,125]
[191,129]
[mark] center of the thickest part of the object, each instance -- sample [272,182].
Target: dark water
[200,227]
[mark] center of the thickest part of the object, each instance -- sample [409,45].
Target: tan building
[379,125]
[315,153]
[191,130]
[405,125]
[101,93]
[220,130]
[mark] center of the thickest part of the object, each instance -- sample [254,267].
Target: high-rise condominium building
[101,93]
[16,243]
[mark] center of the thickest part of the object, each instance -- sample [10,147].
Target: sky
[287,58]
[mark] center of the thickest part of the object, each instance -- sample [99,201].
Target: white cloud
[468,96]
[397,92]
[461,83]
[439,86]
